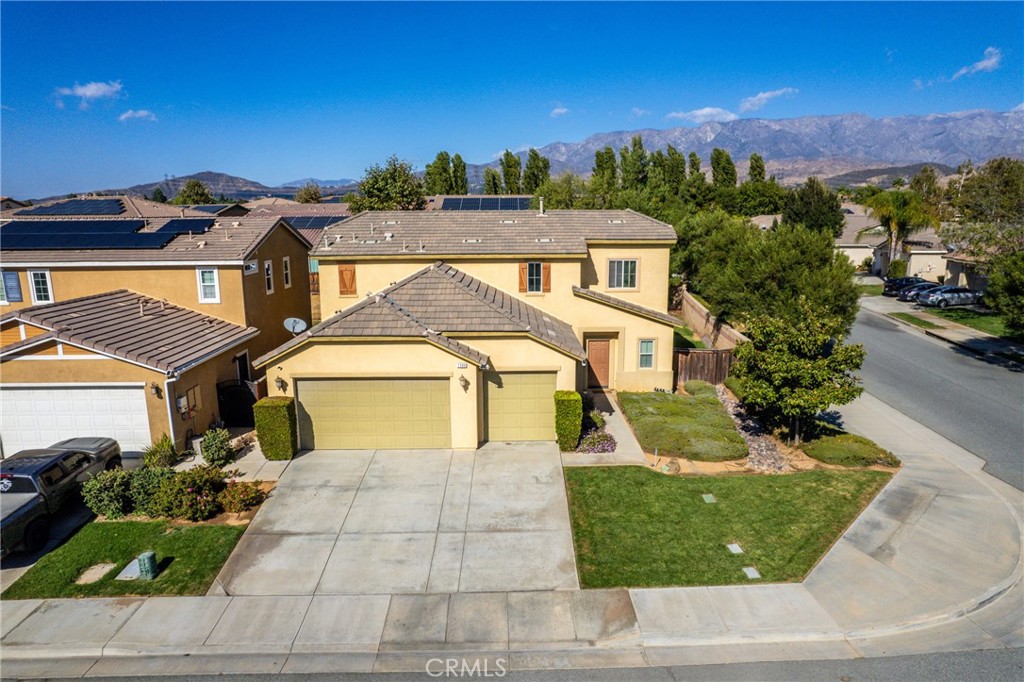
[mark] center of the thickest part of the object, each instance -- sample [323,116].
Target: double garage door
[362,414]
[38,416]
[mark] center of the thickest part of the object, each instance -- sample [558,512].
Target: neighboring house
[765,222]
[966,271]
[7,203]
[250,272]
[222,210]
[479,202]
[116,364]
[925,254]
[855,243]
[451,328]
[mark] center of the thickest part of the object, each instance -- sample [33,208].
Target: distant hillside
[344,182]
[884,177]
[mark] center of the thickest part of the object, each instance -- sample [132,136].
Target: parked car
[914,290]
[36,484]
[943,297]
[893,286]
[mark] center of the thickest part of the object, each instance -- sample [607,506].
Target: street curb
[935,335]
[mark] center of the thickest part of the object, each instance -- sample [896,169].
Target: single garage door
[363,414]
[520,406]
[38,416]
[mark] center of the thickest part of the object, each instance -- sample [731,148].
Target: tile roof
[297,209]
[628,306]
[138,328]
[927,240]
[134,207]
[445,233]
[436,303]
[853,225]
[229,239]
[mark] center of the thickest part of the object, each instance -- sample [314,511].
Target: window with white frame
[622,273]
[286,271]
[268,275]
[42,289]
[646,353]
[534,278]
[208,281]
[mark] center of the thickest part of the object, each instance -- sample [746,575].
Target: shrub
[161,453]
[217,449]
[846,449]
[596,418]
[597,441]
[240,496]
[275,426]
[867,263]
[190,495]
[108,493]
[735,384]
[568,419]
[897,268]
[700,389]
[145,482]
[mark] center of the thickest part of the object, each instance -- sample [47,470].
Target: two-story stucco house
[452,328]
[60,262]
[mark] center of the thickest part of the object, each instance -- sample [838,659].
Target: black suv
[892,286]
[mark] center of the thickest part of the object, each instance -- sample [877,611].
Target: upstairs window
[286,271]
[268,275]
[209,285]
[534,277]
[622,273]
[42,289]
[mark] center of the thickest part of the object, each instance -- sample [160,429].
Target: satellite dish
[295,325]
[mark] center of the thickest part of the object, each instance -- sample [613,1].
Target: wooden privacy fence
[707,365]
[314,282]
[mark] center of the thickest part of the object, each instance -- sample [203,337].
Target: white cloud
[88,92]
[703,115]
[990,62]
[559,111]
[1019,107]
[4,107]
[760,99]
[637,112]
[143,114]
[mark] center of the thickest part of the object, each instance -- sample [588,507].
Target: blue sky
[98,95]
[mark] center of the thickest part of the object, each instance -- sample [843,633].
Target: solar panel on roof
[489,204]
[315,221]
[77,207]
[451,204]
[178,226]
[211,208]
[71,227]
[58,242]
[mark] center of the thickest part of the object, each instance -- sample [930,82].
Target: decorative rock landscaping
[764,454]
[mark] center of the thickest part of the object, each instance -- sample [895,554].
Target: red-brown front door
[598,352]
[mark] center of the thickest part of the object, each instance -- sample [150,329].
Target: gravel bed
[764,455]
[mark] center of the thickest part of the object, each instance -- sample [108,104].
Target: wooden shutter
[545,277]
[347,279]
[523,267]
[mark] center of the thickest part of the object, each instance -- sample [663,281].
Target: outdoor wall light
[279,382]
[464,382]
[153,388]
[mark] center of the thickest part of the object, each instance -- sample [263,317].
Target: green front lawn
[189,556]
[683,337]
[870,289]
[633,527]
[914,320]
[692,426]
[990,323]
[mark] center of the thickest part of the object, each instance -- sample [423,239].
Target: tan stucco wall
[57,371]
[857,254]
[926,265]
[626,330]
[652,273]
[206,376]
[509,354]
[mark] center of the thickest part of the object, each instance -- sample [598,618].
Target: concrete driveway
[410,521]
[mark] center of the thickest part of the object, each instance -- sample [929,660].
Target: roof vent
[616,221]
[388,236]
[369,241]
[508,222]
[391,222]
[421,249]
[472,241]
[544,240]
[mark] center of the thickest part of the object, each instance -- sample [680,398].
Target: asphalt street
[977,404]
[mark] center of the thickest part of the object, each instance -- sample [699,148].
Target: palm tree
[901,214]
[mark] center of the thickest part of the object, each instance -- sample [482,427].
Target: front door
[242,366]
[598,354]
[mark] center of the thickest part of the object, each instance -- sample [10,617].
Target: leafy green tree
[863,193]
[566,191]
[511,173]
[926,183]
[1005,292]
[756,172]
[537,172]
[761,198]
[634,164]
[899,183]
[696,247]
[437,178]
[695,164]
[193,193]
[901,214]
[460,180]
[492,181]
[674,169]
[392,186]
[993,193]
[795,368]
[604,182]
[723,170]
[309,193]
[816,206]
[159,196]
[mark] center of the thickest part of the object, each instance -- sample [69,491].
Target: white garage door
[38,416]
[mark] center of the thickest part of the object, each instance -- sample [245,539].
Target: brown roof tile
[628,306]
[138,328]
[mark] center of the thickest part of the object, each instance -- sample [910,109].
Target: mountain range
[793,149]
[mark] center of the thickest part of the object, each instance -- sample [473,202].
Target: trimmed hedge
[276,426]
[568,419]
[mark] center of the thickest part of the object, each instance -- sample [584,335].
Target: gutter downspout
[170,409]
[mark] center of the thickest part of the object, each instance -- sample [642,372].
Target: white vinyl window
[286,271]
[622,273]
[646,353]
[268,275]
[42,289]
[208,280]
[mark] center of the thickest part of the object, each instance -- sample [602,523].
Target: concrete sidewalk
[934,564]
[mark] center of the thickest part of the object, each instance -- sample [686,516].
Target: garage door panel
[520,406]
[374,413]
